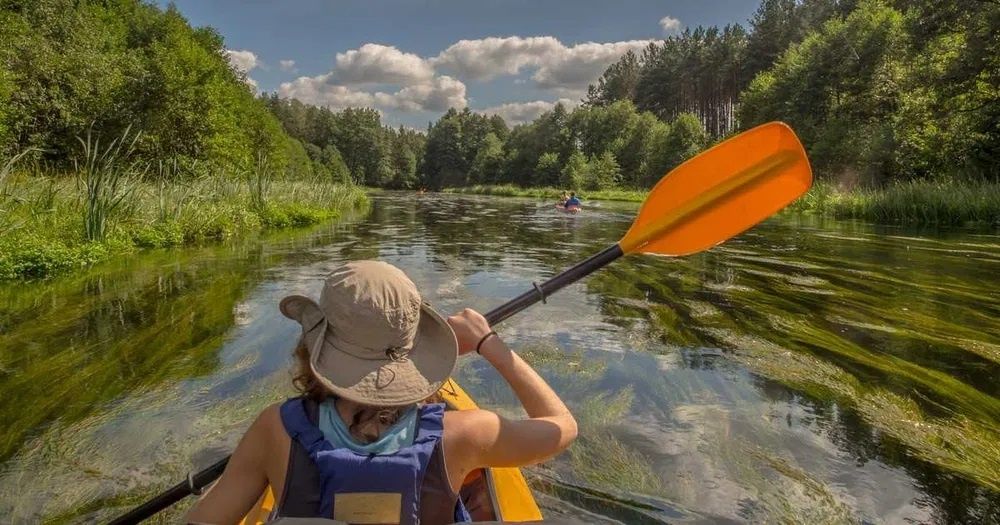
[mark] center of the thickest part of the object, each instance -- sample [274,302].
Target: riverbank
[910,203]
[52,225]
[547,192]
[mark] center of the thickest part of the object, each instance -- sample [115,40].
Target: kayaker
[361,444]
[572,201]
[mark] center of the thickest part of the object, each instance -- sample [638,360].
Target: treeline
[71,68]
[353,144]
[878,90]
[596,147]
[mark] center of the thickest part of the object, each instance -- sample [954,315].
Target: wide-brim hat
[371,338]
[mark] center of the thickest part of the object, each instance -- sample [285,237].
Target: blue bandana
[399,435]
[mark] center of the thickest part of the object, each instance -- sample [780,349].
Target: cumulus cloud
[379,64]
[360,76]
[374,65]
[561,68]
[487,58]
[439,94]
[520,112]
[242,60]
[670,25]
[320,91]
[287,65]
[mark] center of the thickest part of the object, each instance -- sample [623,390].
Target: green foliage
[603,174]
[547,170]
[575,172]
[70,67]
[109,177]
[46,234]
[835,89]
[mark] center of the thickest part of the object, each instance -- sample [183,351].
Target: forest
[880,91]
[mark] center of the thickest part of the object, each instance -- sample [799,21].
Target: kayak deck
[490,494]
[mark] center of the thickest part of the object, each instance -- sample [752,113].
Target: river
[806,371]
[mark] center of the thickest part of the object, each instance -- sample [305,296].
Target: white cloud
[379,64]
[563,69]
[320,91]
[520,112]
[244,61]
[287,65]
[487,58]
[439,94]
[670,25]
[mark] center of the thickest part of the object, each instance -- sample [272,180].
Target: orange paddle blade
[721,192]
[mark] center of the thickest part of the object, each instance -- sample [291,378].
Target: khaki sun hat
[371,338]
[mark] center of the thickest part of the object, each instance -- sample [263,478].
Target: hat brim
[378,382]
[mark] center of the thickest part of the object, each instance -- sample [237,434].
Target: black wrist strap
[483,340]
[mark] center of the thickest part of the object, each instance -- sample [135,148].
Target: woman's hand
[470,326]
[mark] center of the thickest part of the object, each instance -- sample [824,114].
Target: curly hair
[367,422]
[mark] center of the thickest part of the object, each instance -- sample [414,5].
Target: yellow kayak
[492,494]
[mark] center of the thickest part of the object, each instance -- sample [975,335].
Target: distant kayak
[570,209]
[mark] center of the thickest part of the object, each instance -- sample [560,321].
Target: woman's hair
[368,421]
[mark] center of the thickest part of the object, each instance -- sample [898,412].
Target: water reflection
[804,371]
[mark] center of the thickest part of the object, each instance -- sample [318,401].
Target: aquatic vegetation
[599,457]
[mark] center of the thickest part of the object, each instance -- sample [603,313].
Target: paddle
[708,199]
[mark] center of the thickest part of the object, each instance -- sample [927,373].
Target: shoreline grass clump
[55,223]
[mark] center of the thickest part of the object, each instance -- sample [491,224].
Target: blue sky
[413,60]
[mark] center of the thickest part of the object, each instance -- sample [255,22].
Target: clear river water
[807,371]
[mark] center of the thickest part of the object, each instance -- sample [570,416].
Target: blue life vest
[370,487]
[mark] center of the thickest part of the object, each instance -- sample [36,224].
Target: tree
[575,173]
[839,89]
[487,166]
[603,173]
[617,82]
[547,170]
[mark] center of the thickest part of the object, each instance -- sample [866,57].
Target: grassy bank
[50,225]
[510,190]
[916,203]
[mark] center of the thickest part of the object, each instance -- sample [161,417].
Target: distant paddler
[570,203]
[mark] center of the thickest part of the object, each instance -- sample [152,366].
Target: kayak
[571,209]
[490,494]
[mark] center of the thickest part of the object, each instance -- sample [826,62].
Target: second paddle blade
[721,192]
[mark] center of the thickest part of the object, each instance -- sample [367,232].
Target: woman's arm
[244,479]
[487,440]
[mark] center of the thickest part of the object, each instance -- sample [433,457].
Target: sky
[413,60]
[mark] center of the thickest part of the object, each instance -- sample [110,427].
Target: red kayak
[570,209]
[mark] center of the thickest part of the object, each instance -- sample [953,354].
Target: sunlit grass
[49,225]
[510,190]
[917,202]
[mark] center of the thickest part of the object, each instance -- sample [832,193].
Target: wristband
[483,340]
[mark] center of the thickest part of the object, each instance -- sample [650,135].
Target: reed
[108,177]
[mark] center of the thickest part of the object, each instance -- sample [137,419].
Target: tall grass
[51,224]
[949,203]
[260,182]
[109,177]
[548,192]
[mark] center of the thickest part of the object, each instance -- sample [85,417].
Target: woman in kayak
[360,444]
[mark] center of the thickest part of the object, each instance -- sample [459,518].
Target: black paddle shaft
[192,485]
[195,483]
[565,278]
